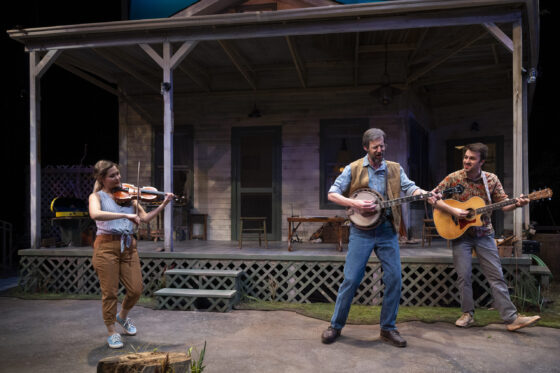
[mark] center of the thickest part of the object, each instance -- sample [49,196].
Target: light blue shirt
[376,180]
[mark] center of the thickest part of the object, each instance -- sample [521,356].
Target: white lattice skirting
[426,281]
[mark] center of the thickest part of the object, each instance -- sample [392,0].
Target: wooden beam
[499,35]
[238,62]
[91,68]
[168,124]
[474,72]
[420,72]
[207,7]
[118,63]
[90,78]
[37,68]
[188,71]
[152,53]
[46,62]
[34,152]
[258,25]
[297,61]
[517,129]
[356,59]
[525,137]
[183,51]
[418,44]
[380,48]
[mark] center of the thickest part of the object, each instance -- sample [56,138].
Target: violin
[128,192]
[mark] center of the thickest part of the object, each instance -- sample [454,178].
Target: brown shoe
[393,337]
[522,321]
[330,335]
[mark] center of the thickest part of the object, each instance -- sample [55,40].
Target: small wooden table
[337,220]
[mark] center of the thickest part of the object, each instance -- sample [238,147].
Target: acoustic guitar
[450,227]
[371,219]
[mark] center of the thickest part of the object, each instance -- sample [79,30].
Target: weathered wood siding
[299,118]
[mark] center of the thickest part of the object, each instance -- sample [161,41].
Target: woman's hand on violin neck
[134,218]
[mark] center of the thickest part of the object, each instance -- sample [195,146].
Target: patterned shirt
[476,188]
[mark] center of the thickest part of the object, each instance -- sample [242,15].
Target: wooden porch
[251,248]
[310,273]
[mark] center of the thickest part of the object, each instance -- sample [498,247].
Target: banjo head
[366,220]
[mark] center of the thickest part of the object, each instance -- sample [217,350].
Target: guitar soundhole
[471,214]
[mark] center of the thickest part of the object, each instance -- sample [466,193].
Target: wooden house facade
[250,108]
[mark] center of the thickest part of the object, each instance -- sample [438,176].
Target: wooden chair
[428,227]
[261,229]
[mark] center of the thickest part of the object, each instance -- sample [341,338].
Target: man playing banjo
[388,179]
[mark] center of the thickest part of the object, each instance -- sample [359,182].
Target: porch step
[203,279]
[196,299]
[200,289]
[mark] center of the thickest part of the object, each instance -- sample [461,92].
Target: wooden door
[256,177]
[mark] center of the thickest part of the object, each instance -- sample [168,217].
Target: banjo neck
[403,200]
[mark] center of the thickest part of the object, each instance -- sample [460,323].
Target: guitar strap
[486,186]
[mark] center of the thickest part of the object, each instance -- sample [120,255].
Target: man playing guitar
[480,238]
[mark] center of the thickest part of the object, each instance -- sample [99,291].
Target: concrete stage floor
[48,336]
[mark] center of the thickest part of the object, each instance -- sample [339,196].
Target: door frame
[276,214]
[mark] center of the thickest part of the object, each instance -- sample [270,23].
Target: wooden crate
[330,234]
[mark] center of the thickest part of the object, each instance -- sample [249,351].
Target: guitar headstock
[458,189]
[540,194]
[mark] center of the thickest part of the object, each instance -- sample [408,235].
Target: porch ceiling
[435,48]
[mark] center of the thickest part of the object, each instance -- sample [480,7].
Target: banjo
[367,220]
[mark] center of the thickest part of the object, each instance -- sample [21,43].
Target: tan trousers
[111,266]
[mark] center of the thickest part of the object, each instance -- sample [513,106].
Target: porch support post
[37,67]
[526,186]
[517,131]
[167,92]
[168,62]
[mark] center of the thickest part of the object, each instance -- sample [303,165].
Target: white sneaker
[127,325]
[115,341]
[522,321]
[465,320]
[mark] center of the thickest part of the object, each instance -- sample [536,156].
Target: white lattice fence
[67,181]
[424,284]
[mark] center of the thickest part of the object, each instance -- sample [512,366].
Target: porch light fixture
[532,76]
[386,92]
[255,113]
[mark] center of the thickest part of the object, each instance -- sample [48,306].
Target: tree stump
[146,362]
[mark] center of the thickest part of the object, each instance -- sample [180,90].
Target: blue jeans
[384,241]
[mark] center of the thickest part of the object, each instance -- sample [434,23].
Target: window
[341,143]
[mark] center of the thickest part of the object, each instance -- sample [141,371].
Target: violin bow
[137,190]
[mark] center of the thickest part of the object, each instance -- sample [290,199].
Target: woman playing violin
[115,257]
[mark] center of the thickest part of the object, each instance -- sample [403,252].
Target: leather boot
[330,335]
[393,337]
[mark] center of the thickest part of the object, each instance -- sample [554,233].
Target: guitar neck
[495,206]
[402,200]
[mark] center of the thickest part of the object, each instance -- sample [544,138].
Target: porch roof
[441,48]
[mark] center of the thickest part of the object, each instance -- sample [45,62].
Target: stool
[260,230]
[203,218]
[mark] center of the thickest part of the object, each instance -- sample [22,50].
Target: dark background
[80,121]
